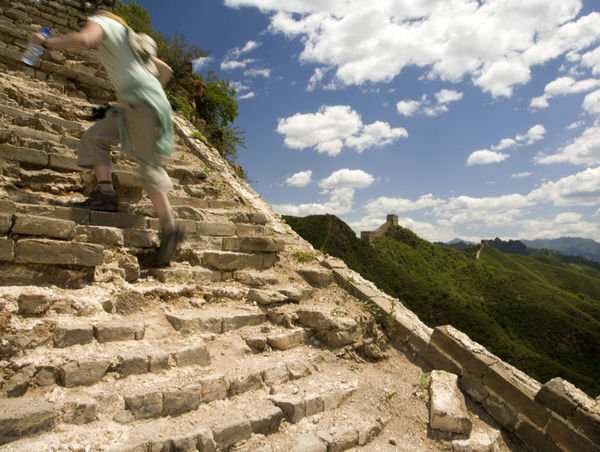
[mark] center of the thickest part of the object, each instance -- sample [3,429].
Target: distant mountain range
[569,245]
[528,306]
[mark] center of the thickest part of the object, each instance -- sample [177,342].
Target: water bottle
[32,55]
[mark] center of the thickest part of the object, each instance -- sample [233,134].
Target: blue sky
[466,118]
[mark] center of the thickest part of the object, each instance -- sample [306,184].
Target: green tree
[219,109]
[135,15]
[178,53]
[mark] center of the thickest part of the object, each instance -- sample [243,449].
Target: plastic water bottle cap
[46,32]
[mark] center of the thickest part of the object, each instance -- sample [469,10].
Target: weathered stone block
[334,398]
[252,244]
[68,334]
[79,412]
[118,330]
[17,385]
[21,417]
[313,404]
[132,364]
[182,400]
[34,303]
[298,369]
[535,438]
[117,220]
[243,383]
[141,238]
[317,277]
[215,229]
[145,406]
[43,226]
[40,251]
[308,443]
[5,222]
[287,340]
[7,249]
[99,234]
[83,373]
[24,155]
[567,437]
[265,297]
[518,390]
[63,162]
[341,438]
[183,275]
[192,355]
[588,423]
[237,321]
[258,343]
[225,435]
[224,260]
[473,387]
[275,375]
[335,331]
[368,431]
[294,408]
[158,360]
[448,408]
[214,387]
[471,356]
[188,323]
[562,397]
[266,420]
[506,416]
[205,441]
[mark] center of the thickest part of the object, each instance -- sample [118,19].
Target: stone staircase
[249,341]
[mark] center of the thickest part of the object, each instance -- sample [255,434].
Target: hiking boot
[169,242]
[99,200]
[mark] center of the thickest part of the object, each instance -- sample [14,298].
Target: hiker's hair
[113,16]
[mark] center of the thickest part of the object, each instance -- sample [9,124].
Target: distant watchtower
[369,236]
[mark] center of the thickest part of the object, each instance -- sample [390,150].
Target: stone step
[104,362]
[224,420]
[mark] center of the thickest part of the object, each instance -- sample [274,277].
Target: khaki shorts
[142,126]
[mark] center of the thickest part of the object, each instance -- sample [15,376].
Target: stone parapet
[554,416]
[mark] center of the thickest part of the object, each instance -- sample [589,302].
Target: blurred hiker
[142,122]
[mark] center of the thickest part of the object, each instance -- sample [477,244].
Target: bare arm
[164,70]
[86,38]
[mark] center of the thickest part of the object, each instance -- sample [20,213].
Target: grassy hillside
[539,314]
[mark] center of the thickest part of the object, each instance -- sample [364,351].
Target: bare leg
[162,207]
[103,172]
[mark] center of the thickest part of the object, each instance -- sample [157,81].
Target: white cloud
[248,95]
[591,103]
[386,204]
[373,135]
[563,86]
[346,178]
[425,106]
[300,179]
[340,187]
[580,189]
[592,59]
[375,41]
[521,175]
[446,96]
[332,128]
[233,64]
[485,157]
[408,107]
[584,150]
[200,63]
[258,72]
[568,224]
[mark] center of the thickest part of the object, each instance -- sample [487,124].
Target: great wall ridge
[239,344]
